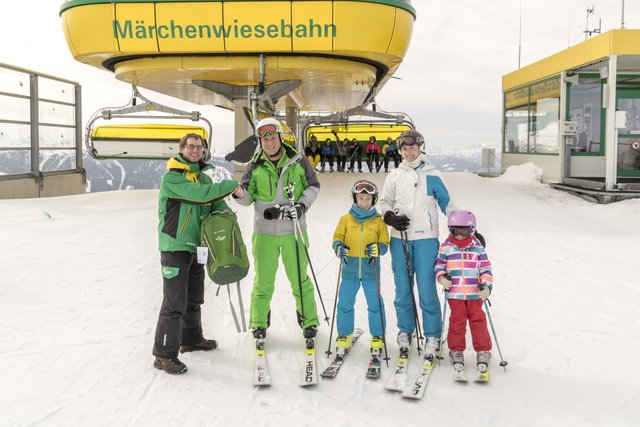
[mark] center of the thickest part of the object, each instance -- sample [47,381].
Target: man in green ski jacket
[187,195]
[274,167]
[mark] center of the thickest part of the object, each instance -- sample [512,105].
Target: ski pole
[503,362]
[444,318]
[405,247]
[382,322]
[297,229]
[333,316]
[313,274]
[302,316]
[289,190]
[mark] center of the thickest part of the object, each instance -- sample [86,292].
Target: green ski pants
[266,254]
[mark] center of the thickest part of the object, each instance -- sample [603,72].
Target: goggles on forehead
[406,140]
[364,187]
[268,129]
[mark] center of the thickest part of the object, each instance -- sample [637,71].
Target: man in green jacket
[274,167]
[187,195]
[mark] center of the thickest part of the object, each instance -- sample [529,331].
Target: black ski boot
[171,366]
[259,333]
[310,331]
[204,345]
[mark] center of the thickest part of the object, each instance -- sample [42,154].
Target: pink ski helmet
[459,220]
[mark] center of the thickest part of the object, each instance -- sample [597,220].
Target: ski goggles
[268,129]
[409,140]
[460,231]
[364,187]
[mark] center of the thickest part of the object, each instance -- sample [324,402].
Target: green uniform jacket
[265,184]
[187,195]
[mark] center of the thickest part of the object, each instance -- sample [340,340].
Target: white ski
[417,388]
[261,375]
[398,381]
[309,369]
[336,363]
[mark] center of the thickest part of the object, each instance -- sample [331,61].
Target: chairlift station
[576,115]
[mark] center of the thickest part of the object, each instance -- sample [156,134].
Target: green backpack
[227,261]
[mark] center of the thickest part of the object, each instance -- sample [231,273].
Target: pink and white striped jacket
[468,267]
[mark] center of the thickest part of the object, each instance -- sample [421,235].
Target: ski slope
[80,291]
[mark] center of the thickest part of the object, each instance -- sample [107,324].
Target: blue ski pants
[347,299]
[422,254]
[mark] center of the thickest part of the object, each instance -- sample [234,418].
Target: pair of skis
[309,372]
[373,370]
[415,390]
[398,381]
[336,363]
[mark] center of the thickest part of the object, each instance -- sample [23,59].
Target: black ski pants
[386,161]
[179,322]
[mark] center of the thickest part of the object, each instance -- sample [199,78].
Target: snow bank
[527,173]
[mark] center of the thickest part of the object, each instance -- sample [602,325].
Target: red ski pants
[471,310]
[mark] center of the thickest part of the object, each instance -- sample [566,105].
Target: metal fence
[40,125]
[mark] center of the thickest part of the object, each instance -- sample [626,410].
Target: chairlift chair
[155,141]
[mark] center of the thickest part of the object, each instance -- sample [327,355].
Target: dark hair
[183,140]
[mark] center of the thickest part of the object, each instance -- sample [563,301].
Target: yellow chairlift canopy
[139,141]
[360,131]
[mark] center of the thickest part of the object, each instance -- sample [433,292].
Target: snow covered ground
[80,290]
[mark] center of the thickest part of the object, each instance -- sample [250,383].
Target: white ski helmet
[269,126]
[364,186]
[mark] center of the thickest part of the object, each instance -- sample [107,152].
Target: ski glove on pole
[294,212]
[342,251]
[372,250]
[399,222]
[484,291]
[445,281]
[275,212]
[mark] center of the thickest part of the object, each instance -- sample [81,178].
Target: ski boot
[404,339]
[483,358]
[376,346]
[373,371]
[259,333]
[343,342]
[310,331]
[431,348]
[457,357]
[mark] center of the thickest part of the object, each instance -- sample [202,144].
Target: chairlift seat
[139,141]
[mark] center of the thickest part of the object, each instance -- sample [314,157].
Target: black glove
[399,222]
[294,212]
[273,213]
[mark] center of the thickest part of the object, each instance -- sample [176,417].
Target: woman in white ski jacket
[410,199]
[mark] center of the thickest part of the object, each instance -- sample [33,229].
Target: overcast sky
[450,80]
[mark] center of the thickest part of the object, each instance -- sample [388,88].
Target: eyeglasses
[460,231]
[268,129]
[194,147]
[364,187]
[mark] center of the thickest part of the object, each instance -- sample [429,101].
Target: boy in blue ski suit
[360,237]
[409,203]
